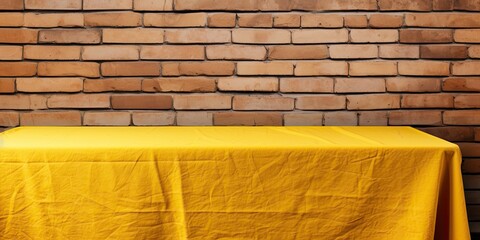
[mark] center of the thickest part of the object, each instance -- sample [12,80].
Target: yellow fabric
[229,183]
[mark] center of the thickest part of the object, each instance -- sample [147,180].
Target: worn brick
[53,20]
[373,101]
[202,101]
[106,119]
[458,134]
[471,150]
[236,52]
[353,51]
[112,85]
[474,51]
[322,21]
[320,36]
[153,118]
[136,35]
[442,5]
[182,84]
[468,5]
[11,19]
[10,35]
[264,68]
[321,102]
[425,36]
[423,68]
[23,102]
[321,68]
[303,52]
[267,36]
[403,84]
[410,5]
[19,69]
[373,35]
[175,19]
[187,118]
[113,19]
[49,84]
[443,20]
[372,118]
[461,84]
[303,119]
[426,118]
[244,103]
[352,85]
[385,21]
[83,36]
[286,20]
[262,20]
[306,85]
[197,36]
[11,5]
[37,52]
[462,117]
[7,85]
[51,118]
[399,51]
[141,101]
[221,20]
[248,84]
[171,52]
[373,68]
[247,119]
[68,69]
[79,101]
[9,119]
[443,52]
[471,166]
[427,101]
[153,5]
[11,52]
[467,36]
[340,119]
[53,4]
[355,21]
[110,52]
[107,4]
[210,68]
[466,68]
[130,69]
[467,101]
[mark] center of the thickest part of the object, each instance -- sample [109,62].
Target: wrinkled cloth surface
[229,183]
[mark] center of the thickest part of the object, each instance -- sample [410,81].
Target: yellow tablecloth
[229,183]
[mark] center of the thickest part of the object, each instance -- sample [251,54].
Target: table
[229,183]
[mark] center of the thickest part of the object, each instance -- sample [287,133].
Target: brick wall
[247,62]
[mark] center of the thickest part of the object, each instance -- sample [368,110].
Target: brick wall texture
[247,62]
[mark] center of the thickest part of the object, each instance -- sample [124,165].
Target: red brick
[373,35]
[53,4]
[353,51]
[262,103]
[7,85]
[399,51]
[320,36]
[471,150]
[11,52]
[202,101]
[460,84]
[23,102]
[175,19]
[19,69]
[49,84]
[226,20]
[194,118]
[113,19]
[153,5]
[474,51]
[321,68]
[141,102]
[471,166]
[51,119]
[9,119]
[110,52]
[321,102]
[83,36]
[135,35]
[130,69]
[373,68]
[197,36]
[298,52]
[11,5]
[443,52]
[340,119]
[427,118]
[410,5]
[427,101]
[248,84]
[461,117]
[68,69]
[210,68]
[236,52]
[467,36]
[466,68]
[373,101]
[38,52]
[112,85]
[443,20]
[107,4]
[303,119]
[355,21]
[53,20]
[423,68]
[153,118]
[247,119]
[348,85]
[9,35]
[183,84]
[13,19]
[403,84]
[106,119]
[442,5]
[264,20]
[385,21]
[215,5]
[455,134]
[425,36]
[477,134]
[260,36]
[286,20]
[372,118]
[322,21]
[306,85]
[468,5]
[264,68]
[467,101]
[79,101]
